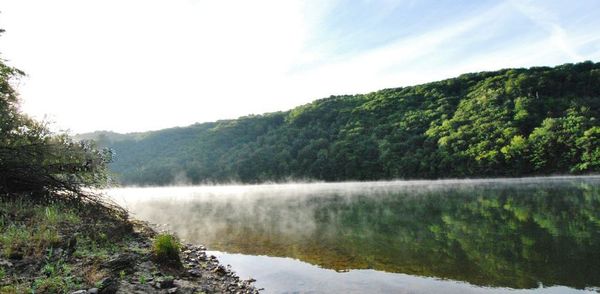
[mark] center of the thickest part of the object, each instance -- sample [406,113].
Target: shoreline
[200,272]
[66,247]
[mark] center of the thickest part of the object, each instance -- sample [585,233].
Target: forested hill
[511,122]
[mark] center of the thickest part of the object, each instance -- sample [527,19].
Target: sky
[138,65]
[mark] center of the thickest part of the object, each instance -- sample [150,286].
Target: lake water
[537,235]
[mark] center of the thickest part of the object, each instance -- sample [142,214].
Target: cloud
[491,38]
[549,22]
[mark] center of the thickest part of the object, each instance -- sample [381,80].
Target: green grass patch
[165,249]
[55,284]
[89,248]
[30,229]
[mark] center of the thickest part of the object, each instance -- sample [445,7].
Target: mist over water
[497,234]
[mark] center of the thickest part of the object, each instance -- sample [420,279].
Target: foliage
[165,249]
[512,122]
[34,160]
[58,278]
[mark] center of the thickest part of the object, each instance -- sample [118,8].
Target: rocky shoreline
[62,248]
[199,273]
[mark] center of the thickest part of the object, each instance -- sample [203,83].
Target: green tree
[35,161]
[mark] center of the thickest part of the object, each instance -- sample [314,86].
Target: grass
[99,250]
[165,249]
[18,240]
[58,278]
[27,229]
[64,244]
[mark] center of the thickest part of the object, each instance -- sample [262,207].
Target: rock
[105,282]
[220,270]
[108,286]
[146,266]
[195,273]
[79,292]
[121,262]
[5,263]
[92,291]
[165,283]
[58,251]
[172,290]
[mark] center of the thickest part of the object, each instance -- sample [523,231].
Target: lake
[538,235]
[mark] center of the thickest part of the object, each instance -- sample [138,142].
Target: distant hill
[511,122]
[105,138]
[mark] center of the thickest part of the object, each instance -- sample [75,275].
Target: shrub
[166,249]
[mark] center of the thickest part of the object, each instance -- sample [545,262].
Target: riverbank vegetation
[511,122]
[54,234]
[59,236]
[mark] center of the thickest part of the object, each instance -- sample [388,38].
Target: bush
[166,249]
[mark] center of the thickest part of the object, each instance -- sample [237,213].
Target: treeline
[512,122]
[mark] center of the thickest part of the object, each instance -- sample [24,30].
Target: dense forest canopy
[511,122]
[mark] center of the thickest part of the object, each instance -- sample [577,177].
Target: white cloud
[548,21]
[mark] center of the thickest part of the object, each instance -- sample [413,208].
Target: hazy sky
[134,65]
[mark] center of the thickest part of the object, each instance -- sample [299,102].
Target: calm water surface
[537,235]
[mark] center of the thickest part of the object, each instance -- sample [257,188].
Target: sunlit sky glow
[140,65]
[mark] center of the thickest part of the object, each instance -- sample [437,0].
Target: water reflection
[508,233]
[284,275]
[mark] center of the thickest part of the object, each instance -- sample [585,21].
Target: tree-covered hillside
[512,122]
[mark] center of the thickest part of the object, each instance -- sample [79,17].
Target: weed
[122,275]
[49,269]
[166,249]
[11,289]
[52,215]
[14,239]
[56,214]
[57,278]
[50,285]
[86,247]
[29,229]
